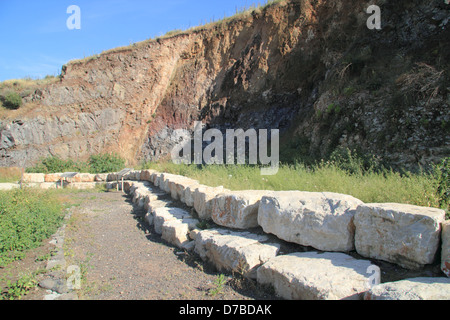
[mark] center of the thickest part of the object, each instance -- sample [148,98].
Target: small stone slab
[241,252]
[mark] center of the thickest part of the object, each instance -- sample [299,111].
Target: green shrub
[353,162]
[442,175]
[12,100]
[27,217]
[52,165]
[105,163]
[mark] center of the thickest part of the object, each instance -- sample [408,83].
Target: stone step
[241,252]
[316,276]
[177,232]
[164,214]
[237,209]
[203,199]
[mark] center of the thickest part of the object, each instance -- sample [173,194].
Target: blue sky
[36,42]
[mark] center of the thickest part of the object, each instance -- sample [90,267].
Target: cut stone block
[166,179]
[412,289]
[203,197]
[146,175]
[320,220]
[237,210]
[132,176]
[102,177]
[81,185]
[53,177]
[49,185]
[178,188]
[164,214]
[156,179]
[8,186]
[111,177]
[82,177]
[241,252]
[176,232]
[445,259]
[403,234]
[33,177]
[189,195]
[316,276]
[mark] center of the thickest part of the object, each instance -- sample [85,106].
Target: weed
[203,225]
[219,285]
[16,290]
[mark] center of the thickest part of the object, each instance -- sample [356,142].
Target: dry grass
[6,114]
[423,82]
[10,174]
[20,85]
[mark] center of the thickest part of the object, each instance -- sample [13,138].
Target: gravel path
[122,259]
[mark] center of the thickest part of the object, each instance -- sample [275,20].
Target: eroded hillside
[310,68]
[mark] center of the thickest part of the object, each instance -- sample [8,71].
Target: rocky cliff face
[310,68]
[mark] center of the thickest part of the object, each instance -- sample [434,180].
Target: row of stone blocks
[332,223]
[406,235]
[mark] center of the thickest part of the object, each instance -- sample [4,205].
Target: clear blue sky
[35,40]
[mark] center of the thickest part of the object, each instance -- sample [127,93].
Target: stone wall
[250,227]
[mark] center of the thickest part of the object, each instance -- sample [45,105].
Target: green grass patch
[27,217]
[370,185]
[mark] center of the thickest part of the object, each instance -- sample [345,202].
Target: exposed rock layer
[309,68]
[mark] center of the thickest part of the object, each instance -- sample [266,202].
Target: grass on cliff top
[19,85]
[370,186]
[239,14]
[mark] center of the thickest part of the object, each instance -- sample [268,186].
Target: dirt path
[122,259]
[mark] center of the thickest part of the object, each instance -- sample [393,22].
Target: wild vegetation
[101,163]
[27,217]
